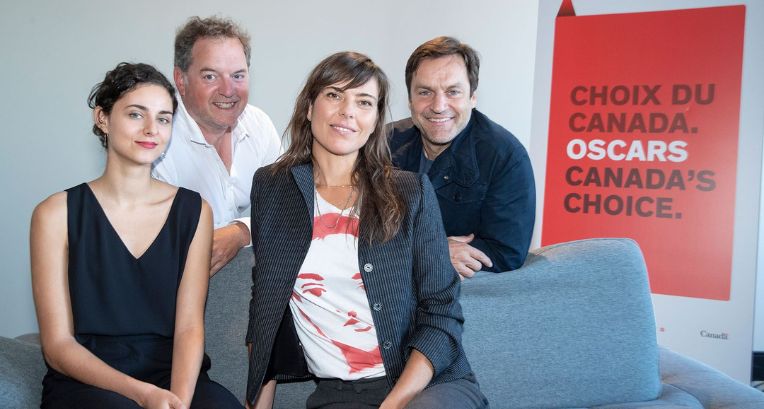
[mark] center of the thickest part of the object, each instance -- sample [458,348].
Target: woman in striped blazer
[352,284]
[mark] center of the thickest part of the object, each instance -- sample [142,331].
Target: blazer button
[368,267]
[387,345]
[445,177]
[377,306]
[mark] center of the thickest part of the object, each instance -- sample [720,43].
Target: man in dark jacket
[481,173]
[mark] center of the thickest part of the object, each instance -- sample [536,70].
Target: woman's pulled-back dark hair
[124,78]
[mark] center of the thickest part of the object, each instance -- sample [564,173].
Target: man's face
[215,89]
[440,99]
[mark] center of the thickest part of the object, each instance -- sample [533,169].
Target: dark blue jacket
[484,183]
[411,285]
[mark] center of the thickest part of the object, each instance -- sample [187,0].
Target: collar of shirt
[458,162]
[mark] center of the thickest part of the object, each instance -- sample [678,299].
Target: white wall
[54,52]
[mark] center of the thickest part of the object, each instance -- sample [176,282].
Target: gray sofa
[573,328]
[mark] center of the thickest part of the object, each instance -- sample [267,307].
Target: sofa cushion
[573,328]
[713,388]
[226,319]
[21,372]
[671,398]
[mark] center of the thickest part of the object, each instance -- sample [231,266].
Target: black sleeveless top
[123,307]
[113,293]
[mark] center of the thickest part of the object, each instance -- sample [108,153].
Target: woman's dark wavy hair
[380,202]
[124,78]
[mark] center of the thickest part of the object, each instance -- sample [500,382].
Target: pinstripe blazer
[411,285]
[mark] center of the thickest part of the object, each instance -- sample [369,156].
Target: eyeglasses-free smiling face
[342,120]
[139,125]
[215,88]
[440,101]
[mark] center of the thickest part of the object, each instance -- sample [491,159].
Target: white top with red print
[329,304]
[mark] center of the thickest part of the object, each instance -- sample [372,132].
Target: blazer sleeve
[254,234]
[439,319]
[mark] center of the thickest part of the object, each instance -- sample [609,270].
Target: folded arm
[508,214]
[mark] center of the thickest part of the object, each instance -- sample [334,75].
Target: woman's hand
[390,403]
[265,397]
[158,398]
[415,377]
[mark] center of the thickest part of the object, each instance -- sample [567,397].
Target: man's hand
[465,258]
[226,242]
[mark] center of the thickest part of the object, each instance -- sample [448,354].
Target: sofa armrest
[21,372]
[709,386]
[573,327]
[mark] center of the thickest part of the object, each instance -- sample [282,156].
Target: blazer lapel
[303,177]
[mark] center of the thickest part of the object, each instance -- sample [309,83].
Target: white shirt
[329,305]
[191,162]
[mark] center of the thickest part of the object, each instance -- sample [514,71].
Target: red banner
[643,139]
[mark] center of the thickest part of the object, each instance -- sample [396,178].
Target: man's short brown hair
[210,27]
[441,47]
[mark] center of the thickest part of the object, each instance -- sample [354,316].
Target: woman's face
[341,121]
[139,124]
